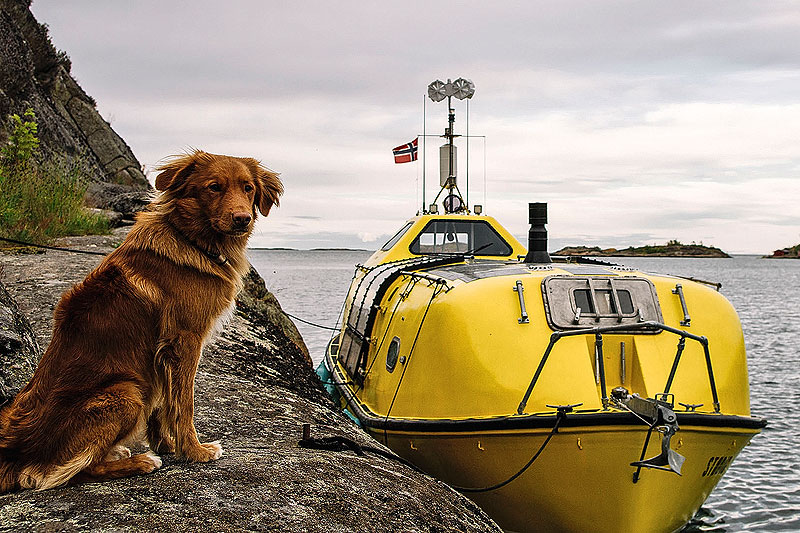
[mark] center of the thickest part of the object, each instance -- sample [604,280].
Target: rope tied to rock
[310,323]
[339,443]
[91,252]
[57,248]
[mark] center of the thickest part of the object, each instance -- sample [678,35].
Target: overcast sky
[637,121]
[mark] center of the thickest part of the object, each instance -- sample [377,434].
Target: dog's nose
[241,220]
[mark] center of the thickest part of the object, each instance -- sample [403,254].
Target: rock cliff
[34,74]
[254,391]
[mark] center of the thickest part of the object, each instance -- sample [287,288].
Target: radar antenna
[438,91]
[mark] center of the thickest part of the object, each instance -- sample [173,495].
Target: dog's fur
[127,340]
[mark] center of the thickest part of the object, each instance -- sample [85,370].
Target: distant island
[279,249]
[673,248]
[792,252]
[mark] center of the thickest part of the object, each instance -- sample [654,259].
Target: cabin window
[459,236]
[606,304]
[573,302]
[625,301]
[391,354]
[397,236]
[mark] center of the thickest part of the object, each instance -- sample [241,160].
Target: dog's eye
[248,188]
[216,187]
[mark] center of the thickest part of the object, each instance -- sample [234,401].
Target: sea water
[761,490]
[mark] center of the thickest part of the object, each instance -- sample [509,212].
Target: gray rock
[116,197]
[115,218]
[19,350]
[254,390]
[33,73]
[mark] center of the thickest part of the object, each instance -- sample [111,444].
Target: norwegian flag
[406,153]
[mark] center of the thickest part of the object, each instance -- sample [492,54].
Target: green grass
[42,198]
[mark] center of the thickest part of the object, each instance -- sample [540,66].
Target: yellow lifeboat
[558,396]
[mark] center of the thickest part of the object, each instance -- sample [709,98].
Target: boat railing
[598,333]
[364,299]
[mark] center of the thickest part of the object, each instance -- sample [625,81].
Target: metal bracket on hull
[668,459]
[658,414]
[642,326]
[518,288]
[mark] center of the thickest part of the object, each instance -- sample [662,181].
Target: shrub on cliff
[41,199]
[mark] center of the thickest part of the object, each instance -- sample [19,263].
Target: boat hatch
[580,302]
[442,236]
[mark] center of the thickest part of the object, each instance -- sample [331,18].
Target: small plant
[22,142]
[41,198]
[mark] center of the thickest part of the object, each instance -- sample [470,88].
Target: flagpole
[485,149]
[424,137]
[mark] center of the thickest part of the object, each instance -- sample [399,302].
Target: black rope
[522,470]
[342,444]
[310,323]
[73,250]
[90,252]
[334,444]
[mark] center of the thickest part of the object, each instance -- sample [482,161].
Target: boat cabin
[424,235]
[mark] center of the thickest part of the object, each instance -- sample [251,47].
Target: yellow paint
[583,488]
[471,358]
[400,249]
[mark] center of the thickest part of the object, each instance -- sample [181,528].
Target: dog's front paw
[153,460]
[207,451]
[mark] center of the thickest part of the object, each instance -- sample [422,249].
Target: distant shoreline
[558,253]
[671,249]
[792,252]
[280,249]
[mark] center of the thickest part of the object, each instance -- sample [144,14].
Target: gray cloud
[674,116]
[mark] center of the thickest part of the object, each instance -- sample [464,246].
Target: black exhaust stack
[537,235]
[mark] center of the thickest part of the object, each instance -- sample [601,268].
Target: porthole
[391,354]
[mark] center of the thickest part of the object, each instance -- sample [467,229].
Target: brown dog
[127,340]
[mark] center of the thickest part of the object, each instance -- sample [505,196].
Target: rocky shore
[254,391]
[792,252]
[671,249]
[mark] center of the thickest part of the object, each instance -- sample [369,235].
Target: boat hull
[582,480]
[542,382]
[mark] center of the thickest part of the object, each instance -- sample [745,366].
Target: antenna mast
[437,91]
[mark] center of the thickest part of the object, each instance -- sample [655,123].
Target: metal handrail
[598,333]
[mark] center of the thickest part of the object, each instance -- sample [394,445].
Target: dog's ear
[268,186]
[175,171]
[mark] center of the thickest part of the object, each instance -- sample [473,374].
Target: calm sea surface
[761,490]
